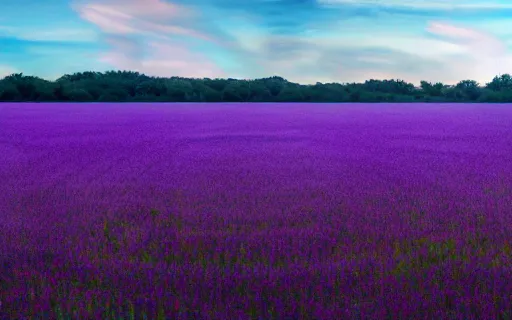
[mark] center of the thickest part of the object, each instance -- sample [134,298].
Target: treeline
[128,86]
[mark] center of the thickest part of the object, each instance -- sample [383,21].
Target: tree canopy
[129,86]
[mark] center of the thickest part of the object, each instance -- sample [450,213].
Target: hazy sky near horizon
[303,41]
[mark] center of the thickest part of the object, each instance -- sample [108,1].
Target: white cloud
[141,35]
[149,17]
[486,55]
[165,60]
[425,4]
[446,52]
[479,42]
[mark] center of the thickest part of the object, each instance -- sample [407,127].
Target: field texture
[260,211]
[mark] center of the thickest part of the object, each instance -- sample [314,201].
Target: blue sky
[303,41]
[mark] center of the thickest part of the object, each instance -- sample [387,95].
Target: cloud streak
[53,35]
[142,36]
[486,55]
[478,41]
[149,17]
[422,4]
[169,59]
[445,52]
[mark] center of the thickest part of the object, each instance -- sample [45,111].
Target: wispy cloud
[51,35]
[486,55]
[478,41]
[135,8]
[160,59]
[149,17]
[444,52]
[426,4]
[144,35]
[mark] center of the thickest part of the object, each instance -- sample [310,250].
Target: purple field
[255,211]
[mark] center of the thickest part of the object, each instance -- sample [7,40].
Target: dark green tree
[129,86]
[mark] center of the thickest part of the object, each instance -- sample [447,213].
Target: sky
[304,41]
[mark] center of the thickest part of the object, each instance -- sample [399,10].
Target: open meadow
[255,211]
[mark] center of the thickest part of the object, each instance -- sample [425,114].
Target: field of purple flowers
[255,211]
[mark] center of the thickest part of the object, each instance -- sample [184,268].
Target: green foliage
[434,90]
[129,86]
[469,89]
[79,95]
[290,94]
[154,213]
[500,83]
[108,97]
[422,254]
[9,92]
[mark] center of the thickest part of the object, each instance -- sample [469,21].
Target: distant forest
[129,86]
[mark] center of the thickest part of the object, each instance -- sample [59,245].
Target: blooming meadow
[255,211]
